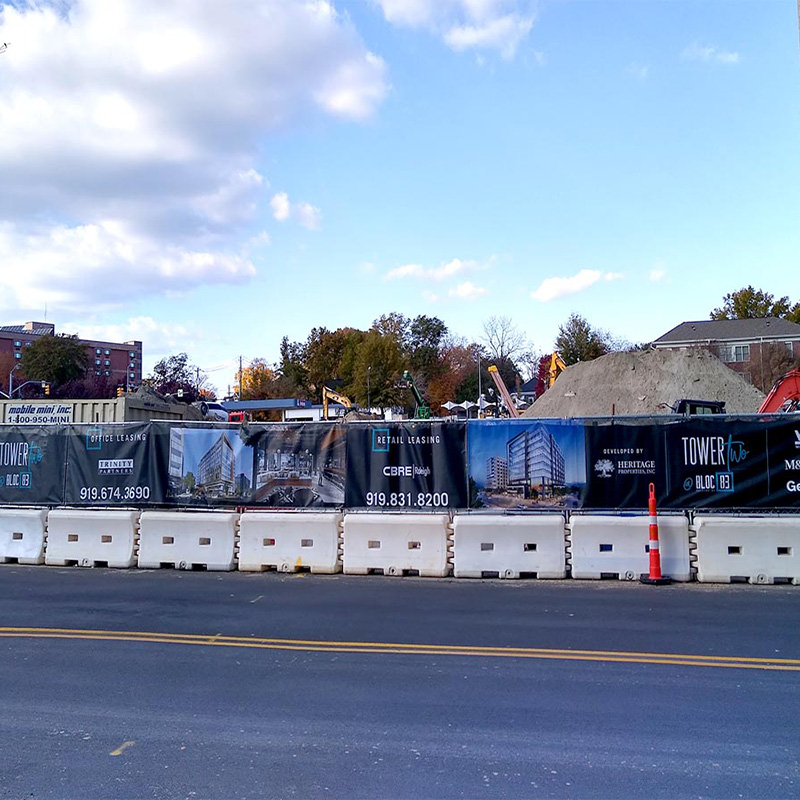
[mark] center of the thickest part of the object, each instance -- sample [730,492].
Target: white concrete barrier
[22,534]
[617,546]
[506,546]
[396,544]
[188,539]
[761,549]
[91,537]
[290,541]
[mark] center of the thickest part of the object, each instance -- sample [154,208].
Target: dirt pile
[645,382]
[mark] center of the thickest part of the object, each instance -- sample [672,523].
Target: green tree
[578,341]
[56,359]
[750,303]
[292,367]
[379,363]
[424,345]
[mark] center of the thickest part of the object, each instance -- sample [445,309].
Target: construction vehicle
[504,393]
[784,395]
[557,366]
[329,394]
[692,407]
[421,409]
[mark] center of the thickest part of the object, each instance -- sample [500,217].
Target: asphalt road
[212,685]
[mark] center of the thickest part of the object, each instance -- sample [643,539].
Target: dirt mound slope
[645,382]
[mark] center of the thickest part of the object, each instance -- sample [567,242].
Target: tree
[292,369]
[750,303]
[56,359]
[257,381]
[503,338]
[377,369]
[175,374]
[578,341]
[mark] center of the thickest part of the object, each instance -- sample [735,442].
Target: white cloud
[159,338]
[281,208]
[310,216]
[142,123]
[467,291]
[638,71]
[496,25]
[657,274]
[445,271]
[709,53]
[553,288]
[101,266]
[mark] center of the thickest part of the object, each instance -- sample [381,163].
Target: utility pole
[240,358]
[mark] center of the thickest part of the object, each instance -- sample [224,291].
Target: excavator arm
[784,395]
[501,387]
[329,394]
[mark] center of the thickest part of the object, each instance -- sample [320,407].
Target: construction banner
[32,465]
[419,466]
[526,464]
[112,464]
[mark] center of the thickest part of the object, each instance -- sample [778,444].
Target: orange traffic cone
[655,577]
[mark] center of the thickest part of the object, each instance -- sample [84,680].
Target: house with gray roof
[756,348]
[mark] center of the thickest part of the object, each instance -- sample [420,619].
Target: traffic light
[47,389]
[120,391]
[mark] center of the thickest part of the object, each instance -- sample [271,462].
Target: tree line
[366,365]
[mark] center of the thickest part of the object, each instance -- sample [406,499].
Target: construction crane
[329,394]
[501,387]
[422,410]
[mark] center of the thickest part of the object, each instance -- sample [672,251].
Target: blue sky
[209,177]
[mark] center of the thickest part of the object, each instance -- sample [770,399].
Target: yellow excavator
[557,366]
[329,394]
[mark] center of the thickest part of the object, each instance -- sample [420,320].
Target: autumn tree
[503,339]
[578,341]
[176,376]
[258,381]
[750,303]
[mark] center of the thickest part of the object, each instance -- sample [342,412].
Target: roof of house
[731,329]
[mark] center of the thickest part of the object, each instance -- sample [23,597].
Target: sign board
[39,412]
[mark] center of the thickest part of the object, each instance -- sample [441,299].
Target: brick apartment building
[744,345]
[119,362]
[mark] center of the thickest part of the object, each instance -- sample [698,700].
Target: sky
[209,177]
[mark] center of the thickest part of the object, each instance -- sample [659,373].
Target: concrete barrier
[188,540]
[22,535]
[505,546]
[290,541]
[91,537]
[396,544]
[617,546]
[737,548]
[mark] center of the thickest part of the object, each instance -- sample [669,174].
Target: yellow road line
[394,648]
[119,750]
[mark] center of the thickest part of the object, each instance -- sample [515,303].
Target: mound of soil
[645,382]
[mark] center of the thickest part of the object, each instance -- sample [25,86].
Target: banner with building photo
[32,462]
[297,465]
[204,464]
[526,464]
[419,466]
[112,464]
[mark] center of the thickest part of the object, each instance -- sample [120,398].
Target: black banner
[32,465]
[622,460]
[409,465]
[112,464]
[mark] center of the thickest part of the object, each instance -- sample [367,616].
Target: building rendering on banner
[535,460]
[215,472]
[177,441]
[119,362]
[496,473]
